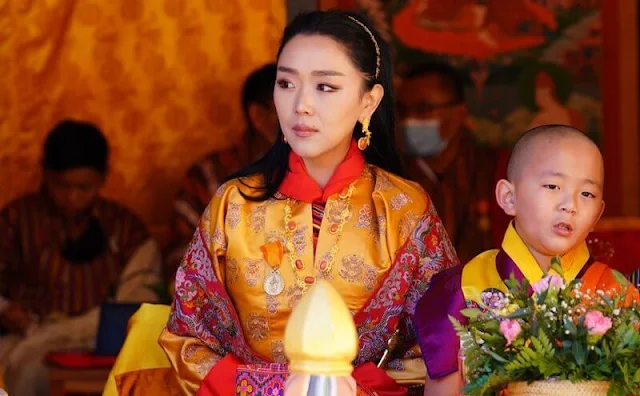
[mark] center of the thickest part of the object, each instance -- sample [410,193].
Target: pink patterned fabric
[261,379]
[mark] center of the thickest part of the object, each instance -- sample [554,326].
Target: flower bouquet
[560,338]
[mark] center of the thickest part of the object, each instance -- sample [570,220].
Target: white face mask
[422,137]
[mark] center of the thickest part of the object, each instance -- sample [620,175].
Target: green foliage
[554,341]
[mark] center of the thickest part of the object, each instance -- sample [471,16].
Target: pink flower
[550,281]
[597,324]
[556,282]
[510,329]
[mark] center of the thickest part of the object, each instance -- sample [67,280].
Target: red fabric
[376,381]
[300,186]
[221,379]
[618,248]
[80,360]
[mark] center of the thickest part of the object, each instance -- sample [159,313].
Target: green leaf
[476,387]
[607,300]
[520,313]
[542,297]
[496,356]
[459,327]
[556,265]
[490,326]
[525,359]
[471,313]
[636,376]
[579,353]
[543,345]
[490,338]
[549,368]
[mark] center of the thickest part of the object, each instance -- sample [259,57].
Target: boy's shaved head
[554,191]
[525,151]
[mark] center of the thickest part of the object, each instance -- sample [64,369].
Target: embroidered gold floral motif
[407,224]
[233,214]
[382,226]
[368,175]
[258,218]
[334,211]
[273,302]
[400,200]
[253,267]
[300,240]
[365,217]
[207,212]
[258,327]
[294,293]
[370,279]
[220,191]
[219,240]
[201,356]
[352,267]
[276,236]
[367,222]
[277,352]
[382,183]
[232,270]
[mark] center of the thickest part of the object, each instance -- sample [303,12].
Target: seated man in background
[63,251]
[443,156]
[204,178]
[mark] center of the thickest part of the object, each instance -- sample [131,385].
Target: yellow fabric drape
[162,78]
[141,350]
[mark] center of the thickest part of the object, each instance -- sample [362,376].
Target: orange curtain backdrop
[162,78]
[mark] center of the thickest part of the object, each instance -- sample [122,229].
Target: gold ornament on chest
[337,215]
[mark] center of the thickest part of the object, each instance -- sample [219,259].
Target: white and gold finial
[320,337]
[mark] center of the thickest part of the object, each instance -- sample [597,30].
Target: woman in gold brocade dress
[327,201]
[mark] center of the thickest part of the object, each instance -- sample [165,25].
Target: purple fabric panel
[436,336]
[506,266]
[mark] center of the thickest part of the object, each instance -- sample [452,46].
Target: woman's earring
[284,139]
[364,141]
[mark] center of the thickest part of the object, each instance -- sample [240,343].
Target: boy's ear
[505,196]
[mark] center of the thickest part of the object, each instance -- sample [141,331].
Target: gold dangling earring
[364,141]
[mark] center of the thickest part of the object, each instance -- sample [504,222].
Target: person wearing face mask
[63,251]
[442,155]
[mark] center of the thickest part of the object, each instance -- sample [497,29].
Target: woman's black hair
[361,49]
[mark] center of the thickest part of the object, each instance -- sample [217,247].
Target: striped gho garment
[33,270]
[317,210]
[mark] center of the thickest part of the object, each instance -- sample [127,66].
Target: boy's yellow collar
[514,246]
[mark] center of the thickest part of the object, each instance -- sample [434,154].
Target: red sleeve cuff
[372,378]
[221,379]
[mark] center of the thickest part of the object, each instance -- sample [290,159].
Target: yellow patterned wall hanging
[162,78]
